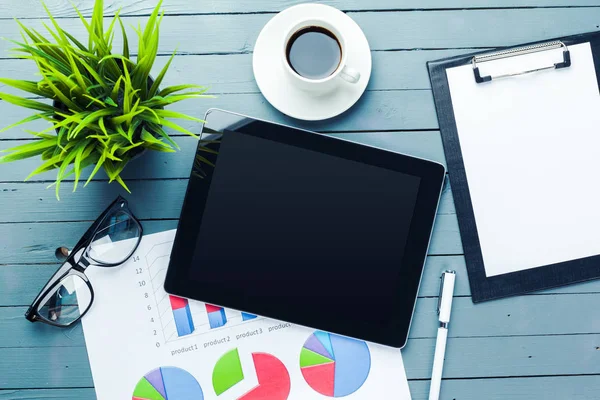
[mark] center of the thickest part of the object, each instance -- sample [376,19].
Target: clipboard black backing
[485,288]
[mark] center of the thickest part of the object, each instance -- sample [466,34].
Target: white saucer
[275,85]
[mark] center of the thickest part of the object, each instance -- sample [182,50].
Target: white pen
[444,307]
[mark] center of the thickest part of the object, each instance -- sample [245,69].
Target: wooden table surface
[540,346]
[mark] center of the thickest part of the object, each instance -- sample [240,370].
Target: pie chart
[333,365]
[168,383]
[273,377]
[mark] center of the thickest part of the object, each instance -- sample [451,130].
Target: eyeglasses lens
[70,299]
[115,240]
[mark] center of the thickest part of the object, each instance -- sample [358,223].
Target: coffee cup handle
[350,75]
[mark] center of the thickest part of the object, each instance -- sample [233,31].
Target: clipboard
[519,131]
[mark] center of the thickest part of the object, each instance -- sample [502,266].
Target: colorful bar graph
[248,317]
[182,316]
[216,316]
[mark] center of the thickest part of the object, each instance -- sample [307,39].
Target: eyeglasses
[109,242]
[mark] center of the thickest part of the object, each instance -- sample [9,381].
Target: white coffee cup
[343,73]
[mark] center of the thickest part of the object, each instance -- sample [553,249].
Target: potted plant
[104,109]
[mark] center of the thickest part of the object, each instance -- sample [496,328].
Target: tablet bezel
[432,175]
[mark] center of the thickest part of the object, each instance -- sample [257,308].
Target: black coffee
[314,52]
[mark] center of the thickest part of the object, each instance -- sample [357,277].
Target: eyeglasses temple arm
[92,229]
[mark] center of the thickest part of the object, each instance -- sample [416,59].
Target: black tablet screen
[316,232]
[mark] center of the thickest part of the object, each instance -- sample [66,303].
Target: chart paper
[144,344]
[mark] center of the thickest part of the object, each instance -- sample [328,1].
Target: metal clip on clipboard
[519,52]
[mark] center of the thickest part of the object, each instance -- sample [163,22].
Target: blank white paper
[531,150]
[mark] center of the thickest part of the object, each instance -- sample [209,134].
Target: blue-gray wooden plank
[571,388]
[27,243]
[551,314]
[63,8]
[232,73]
[375,111]
[62,394]
[506,345]
[29,196]
[473,357]
[557,387]
[19,283]
[225,34]
[40,203]
[155,165]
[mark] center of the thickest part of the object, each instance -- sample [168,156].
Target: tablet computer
[305,228]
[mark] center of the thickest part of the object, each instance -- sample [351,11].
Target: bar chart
[182,318]
[216,316]
[248,317]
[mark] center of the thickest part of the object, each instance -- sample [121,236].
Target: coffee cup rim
[308,22]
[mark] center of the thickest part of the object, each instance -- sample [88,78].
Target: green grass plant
[103,109]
